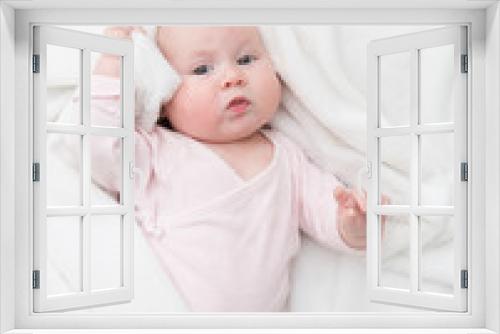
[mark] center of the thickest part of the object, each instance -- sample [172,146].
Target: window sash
[412,43]
[86,297]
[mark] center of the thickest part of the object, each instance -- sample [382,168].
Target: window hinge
[36,172]
[465,64]
[369,169]
[36,279]
[464,171]
[36,63]
[464,279]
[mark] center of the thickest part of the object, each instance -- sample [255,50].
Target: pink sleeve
[316,203]
[106,151]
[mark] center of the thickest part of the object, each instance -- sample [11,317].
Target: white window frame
[484,122]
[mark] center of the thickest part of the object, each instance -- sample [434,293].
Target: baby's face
[229,88]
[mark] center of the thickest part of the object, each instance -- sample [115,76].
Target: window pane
[394,90]
[103,89]
[436,84]
[437,250]
[63,255]
[64,170]
[106,162]
[106,251]
[394,169]
[437,169]
[394,252]
[63,84]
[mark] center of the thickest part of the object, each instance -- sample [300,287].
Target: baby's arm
[106,152]
[326,208]
[327,203]
[108,64]
[320,215]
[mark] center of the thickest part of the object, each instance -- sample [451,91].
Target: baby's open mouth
[238,104]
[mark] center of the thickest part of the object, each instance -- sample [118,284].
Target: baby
[222,196]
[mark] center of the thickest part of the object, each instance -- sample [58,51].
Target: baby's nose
[231,83]
[234,77]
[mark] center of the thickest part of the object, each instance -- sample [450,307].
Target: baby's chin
[224,137]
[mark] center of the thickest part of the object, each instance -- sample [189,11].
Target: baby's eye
[246,59]
[202,69]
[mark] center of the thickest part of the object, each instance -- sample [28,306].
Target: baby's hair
[163,121]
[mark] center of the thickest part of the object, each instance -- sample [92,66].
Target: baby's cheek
[270,90]
[179,109]
[197,94]
[187,98]
[195,111]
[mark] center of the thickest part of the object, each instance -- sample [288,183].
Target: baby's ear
[279,78]
[163,110]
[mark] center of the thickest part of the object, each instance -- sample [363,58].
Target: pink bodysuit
[226,243]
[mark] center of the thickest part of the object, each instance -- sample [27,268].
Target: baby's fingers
[360,197]
[385,200]
[340,194]
[122,31]
[344,197]
[117,31]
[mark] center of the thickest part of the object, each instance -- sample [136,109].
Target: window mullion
[86,171]
[127,200]
[419,211]
[414,171]
[418,129]
[81,130]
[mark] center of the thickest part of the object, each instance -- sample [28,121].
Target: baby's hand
[108,64]
[351,216]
